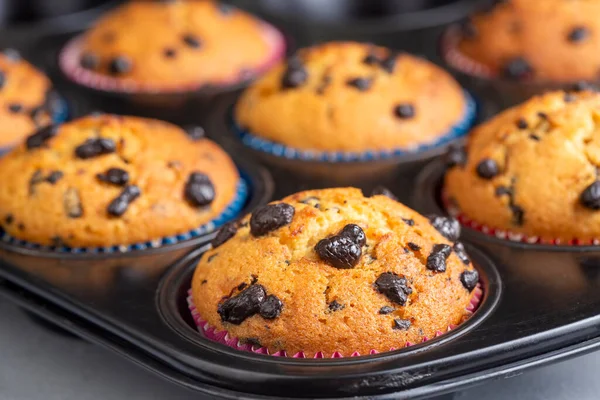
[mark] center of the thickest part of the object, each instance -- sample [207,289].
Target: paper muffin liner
[458,60]
[70,56]
[230,212]
[257,143]
[505,234]
[223,337]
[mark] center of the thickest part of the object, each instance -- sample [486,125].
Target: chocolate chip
[517,68]
[226,232]
[237,309]
[12,54]
[469,279]
[15,108]
[371,59]
[195,132]
[487,168]
[192,41]
[578,34]
[518,214]
[461,253]
[409,222]
[199,190]
[114,176]
[385,310]
[447,226]
[169,53]
[120,65]
[413,246]
[72,203]
[582,86]
[394,287]
[535,137]
[404,111]
[2,79]
[9,219]
[362,84]
[339,251]
[95,147]
[590,198]
[522,123]
[121,203]
[383,191]
[54,177]
[389,64]
[542,115]
[401,324]
[355,233]
[89,61]
[295,74]
[436,261]
[456,156]
[335,306]
[39,138]
[270,217]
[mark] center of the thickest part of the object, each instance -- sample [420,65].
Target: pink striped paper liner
[223,337]
[456,59]
[70,56]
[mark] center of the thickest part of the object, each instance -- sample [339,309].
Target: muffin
[331,271]
[171,46]
[550,40]
[26,99]
[107,180]
[353,98]
[532,171]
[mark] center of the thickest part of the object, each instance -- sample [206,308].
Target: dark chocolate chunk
[237,309]
[35,179]
[389,64]
[469,279]
[9,219]
[578,34]
[413,246]
[12,54]
[199,190]
[404,111]
[385,310]
[436,261]
[339,251]
[542,115]
[461,253]
[535,137]
[518,214]
[503,190]
[355,233]
[401,324]
[192,41]
[409,222]
[456,156]
[522,123]
[583,86]
[270,217]
[72,203]
[89,61]
[590,198]
[120,65]
[95,147]
[39,138]
[383,191]
[487,168]
[195,132]
[447,226]
[362,84]
[121,203]
[394,287]
[517,68]
[371,59]
[114,176]
[169,53]
[226,232]
[54,177]
[335,306]
[295,74]
[15,108]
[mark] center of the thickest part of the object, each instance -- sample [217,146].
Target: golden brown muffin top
[552,40]
[111,180]
[345,96]
[170,44]
[533,169]
[337,271]
[23,91]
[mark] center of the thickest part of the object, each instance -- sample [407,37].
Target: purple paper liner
[223,337]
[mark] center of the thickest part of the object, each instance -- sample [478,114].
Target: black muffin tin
[540,302]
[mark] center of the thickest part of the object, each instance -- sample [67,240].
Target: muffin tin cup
[223,337]
[497,92]
[351,168]
[179,104]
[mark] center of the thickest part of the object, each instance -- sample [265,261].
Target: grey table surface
[39,364]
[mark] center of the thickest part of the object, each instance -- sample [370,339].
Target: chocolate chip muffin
[353,97]
[26,99]
[550,40]
[333,271]
[176,45]
[108,180]
[533,170]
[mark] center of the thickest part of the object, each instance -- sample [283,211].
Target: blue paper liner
[230,212]
[280,150]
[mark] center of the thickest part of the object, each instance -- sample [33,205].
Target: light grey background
[38,364]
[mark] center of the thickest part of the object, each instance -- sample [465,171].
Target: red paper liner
[504,234]
[70,56]
[223,337]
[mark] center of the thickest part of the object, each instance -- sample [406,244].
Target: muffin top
[174,44]
[553,40]
[533,169]
[345,96]
[23,98]
[331,270]
[110,180]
